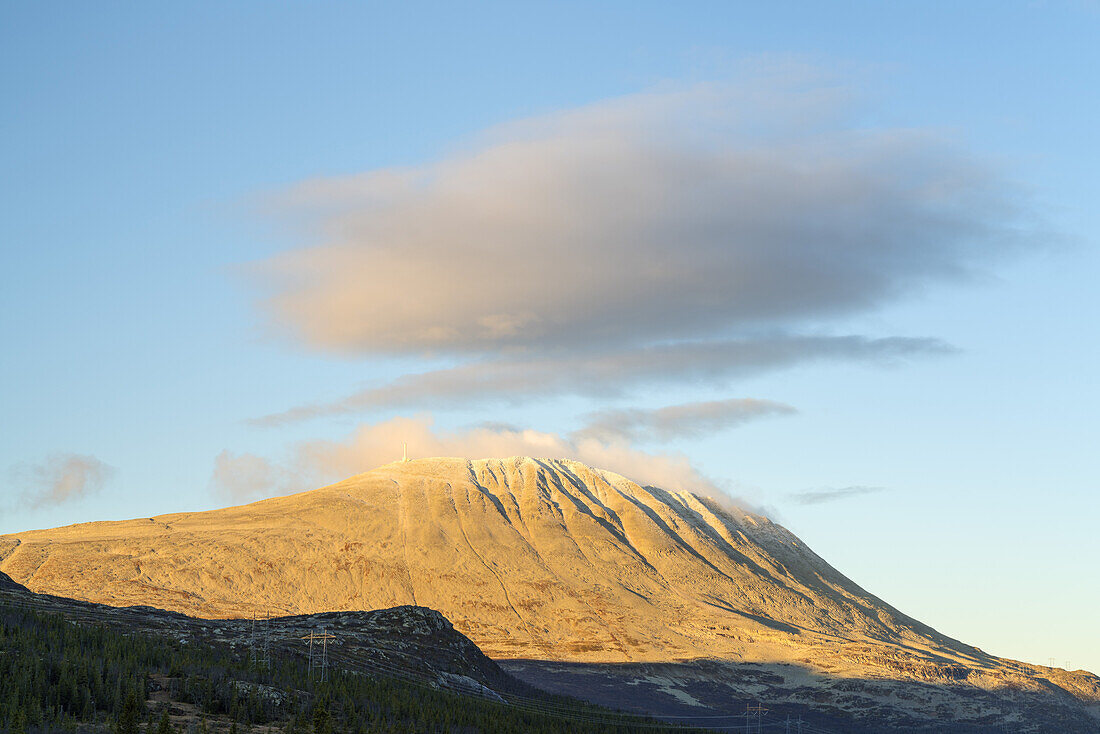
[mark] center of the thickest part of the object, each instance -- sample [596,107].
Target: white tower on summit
[404,451]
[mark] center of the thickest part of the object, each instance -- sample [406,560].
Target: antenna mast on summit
[404,452]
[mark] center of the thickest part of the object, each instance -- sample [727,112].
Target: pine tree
[165,724]
[127,722]
[322,722]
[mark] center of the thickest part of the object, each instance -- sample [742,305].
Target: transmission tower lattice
[755,715]
[318,661]
[265,661]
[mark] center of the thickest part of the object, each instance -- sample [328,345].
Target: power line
[266,661]
[756,712]
[319,661]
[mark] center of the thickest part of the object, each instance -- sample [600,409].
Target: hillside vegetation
[60,675]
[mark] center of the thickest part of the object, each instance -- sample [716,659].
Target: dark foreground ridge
[67,665]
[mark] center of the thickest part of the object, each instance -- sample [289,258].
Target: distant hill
[571,572]
[67,665]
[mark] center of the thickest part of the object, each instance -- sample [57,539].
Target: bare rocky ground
[716,692]
[186,717]
[580,577]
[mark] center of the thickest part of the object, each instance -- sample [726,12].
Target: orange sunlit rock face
[530,558]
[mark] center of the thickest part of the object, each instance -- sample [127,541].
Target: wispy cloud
[241,477]
[679,421]
[831,494]
[59,479]
[612,374]
[376,444]
[314,463]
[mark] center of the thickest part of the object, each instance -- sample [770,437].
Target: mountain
[546,559]
[568,571]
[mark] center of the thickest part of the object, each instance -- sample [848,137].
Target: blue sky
[149,155]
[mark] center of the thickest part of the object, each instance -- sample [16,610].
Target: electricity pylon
[318,661]
[756,712]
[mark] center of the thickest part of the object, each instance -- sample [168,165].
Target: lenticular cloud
[682,214]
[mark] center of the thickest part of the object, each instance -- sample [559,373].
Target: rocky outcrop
[6,584]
